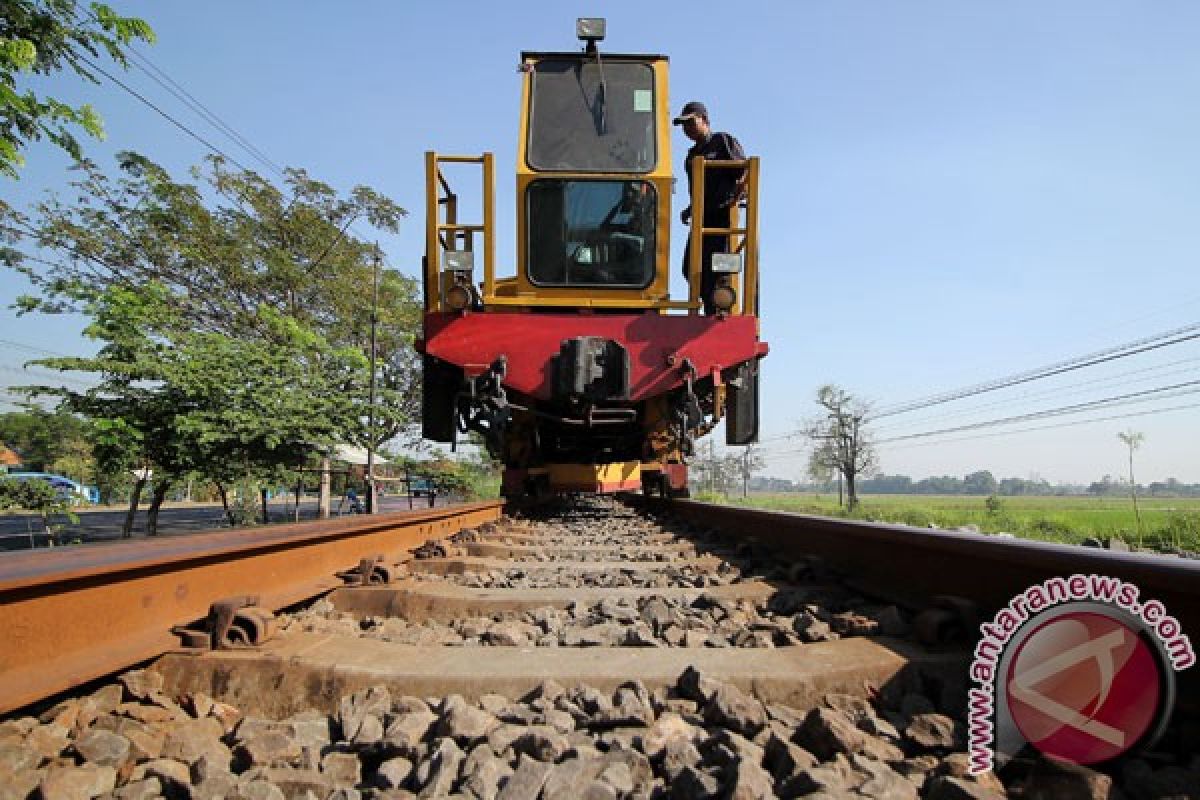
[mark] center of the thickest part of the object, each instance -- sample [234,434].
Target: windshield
[591,233]
[581,123]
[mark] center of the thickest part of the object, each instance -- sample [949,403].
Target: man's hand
[685,216]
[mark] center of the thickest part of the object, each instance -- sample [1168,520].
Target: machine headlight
[723,297]
[458,297]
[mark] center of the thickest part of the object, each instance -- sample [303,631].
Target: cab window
[591,232]
[589,116]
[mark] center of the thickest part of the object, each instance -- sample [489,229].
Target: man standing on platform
[722,190]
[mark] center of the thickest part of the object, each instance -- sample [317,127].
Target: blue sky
[952,191]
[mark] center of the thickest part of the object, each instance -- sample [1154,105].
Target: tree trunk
[1133,492]
[156,501]
[299,492]
[323,492]
[135,497]
[851,492]
[266,516]
[225,502]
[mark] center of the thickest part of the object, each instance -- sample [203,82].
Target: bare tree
[841,442]
[1133,440]
[750,463]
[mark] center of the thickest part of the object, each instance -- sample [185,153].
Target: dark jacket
[720,185]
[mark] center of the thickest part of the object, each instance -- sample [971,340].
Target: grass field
[1166,521]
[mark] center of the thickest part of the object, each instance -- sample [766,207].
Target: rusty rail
[71,615]
[915,564]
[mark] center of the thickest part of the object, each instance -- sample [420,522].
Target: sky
[951,192]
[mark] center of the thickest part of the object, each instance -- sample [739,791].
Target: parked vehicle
[73,491]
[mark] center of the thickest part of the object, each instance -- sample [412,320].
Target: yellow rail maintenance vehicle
[578,369]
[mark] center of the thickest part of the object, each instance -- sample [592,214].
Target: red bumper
[657,345]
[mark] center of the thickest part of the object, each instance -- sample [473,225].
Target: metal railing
[443,231]
[743,239]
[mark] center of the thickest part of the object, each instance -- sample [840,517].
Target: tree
[173,402]
[253,248]
[751,462]
[1133,440]
[241,259]
[820,472]
[37,496]
[981,482]
[718,473]
[841,442]
[44,37]
[48,441]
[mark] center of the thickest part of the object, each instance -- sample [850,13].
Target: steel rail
[70,615]
[916,564]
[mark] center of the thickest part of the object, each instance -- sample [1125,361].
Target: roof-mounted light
[590,30]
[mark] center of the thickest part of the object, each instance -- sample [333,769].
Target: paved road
[102,524]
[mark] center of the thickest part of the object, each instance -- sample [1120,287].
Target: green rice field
[1167,522]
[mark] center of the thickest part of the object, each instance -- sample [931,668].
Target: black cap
[692,109]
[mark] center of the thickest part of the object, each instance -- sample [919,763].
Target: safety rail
[743,238]
[444,233]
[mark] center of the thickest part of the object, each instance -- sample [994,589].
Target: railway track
[600,649]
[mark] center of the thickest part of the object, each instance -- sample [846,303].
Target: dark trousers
[710,244]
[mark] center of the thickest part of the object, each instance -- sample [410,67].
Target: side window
[591,233]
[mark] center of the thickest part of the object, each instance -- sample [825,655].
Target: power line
[192,133]
[30,348]
[34,374]
[173,86]
[148,67]
[187,98]
[1148,413]
[162,113]
[1163,391]
[1059,391]
[1146,344]
[1157,393]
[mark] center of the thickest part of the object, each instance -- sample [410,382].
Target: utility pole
[371,499]
[712,467]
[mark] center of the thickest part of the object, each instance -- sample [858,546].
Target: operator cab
[595,162]
[593,198]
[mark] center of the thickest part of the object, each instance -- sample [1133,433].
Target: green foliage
[472,480]
[993,504]
[180,402]
[37,496]
[49,441]
[233,318]
[1170,522]
[1181,530]
[256,264]
[45,37]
